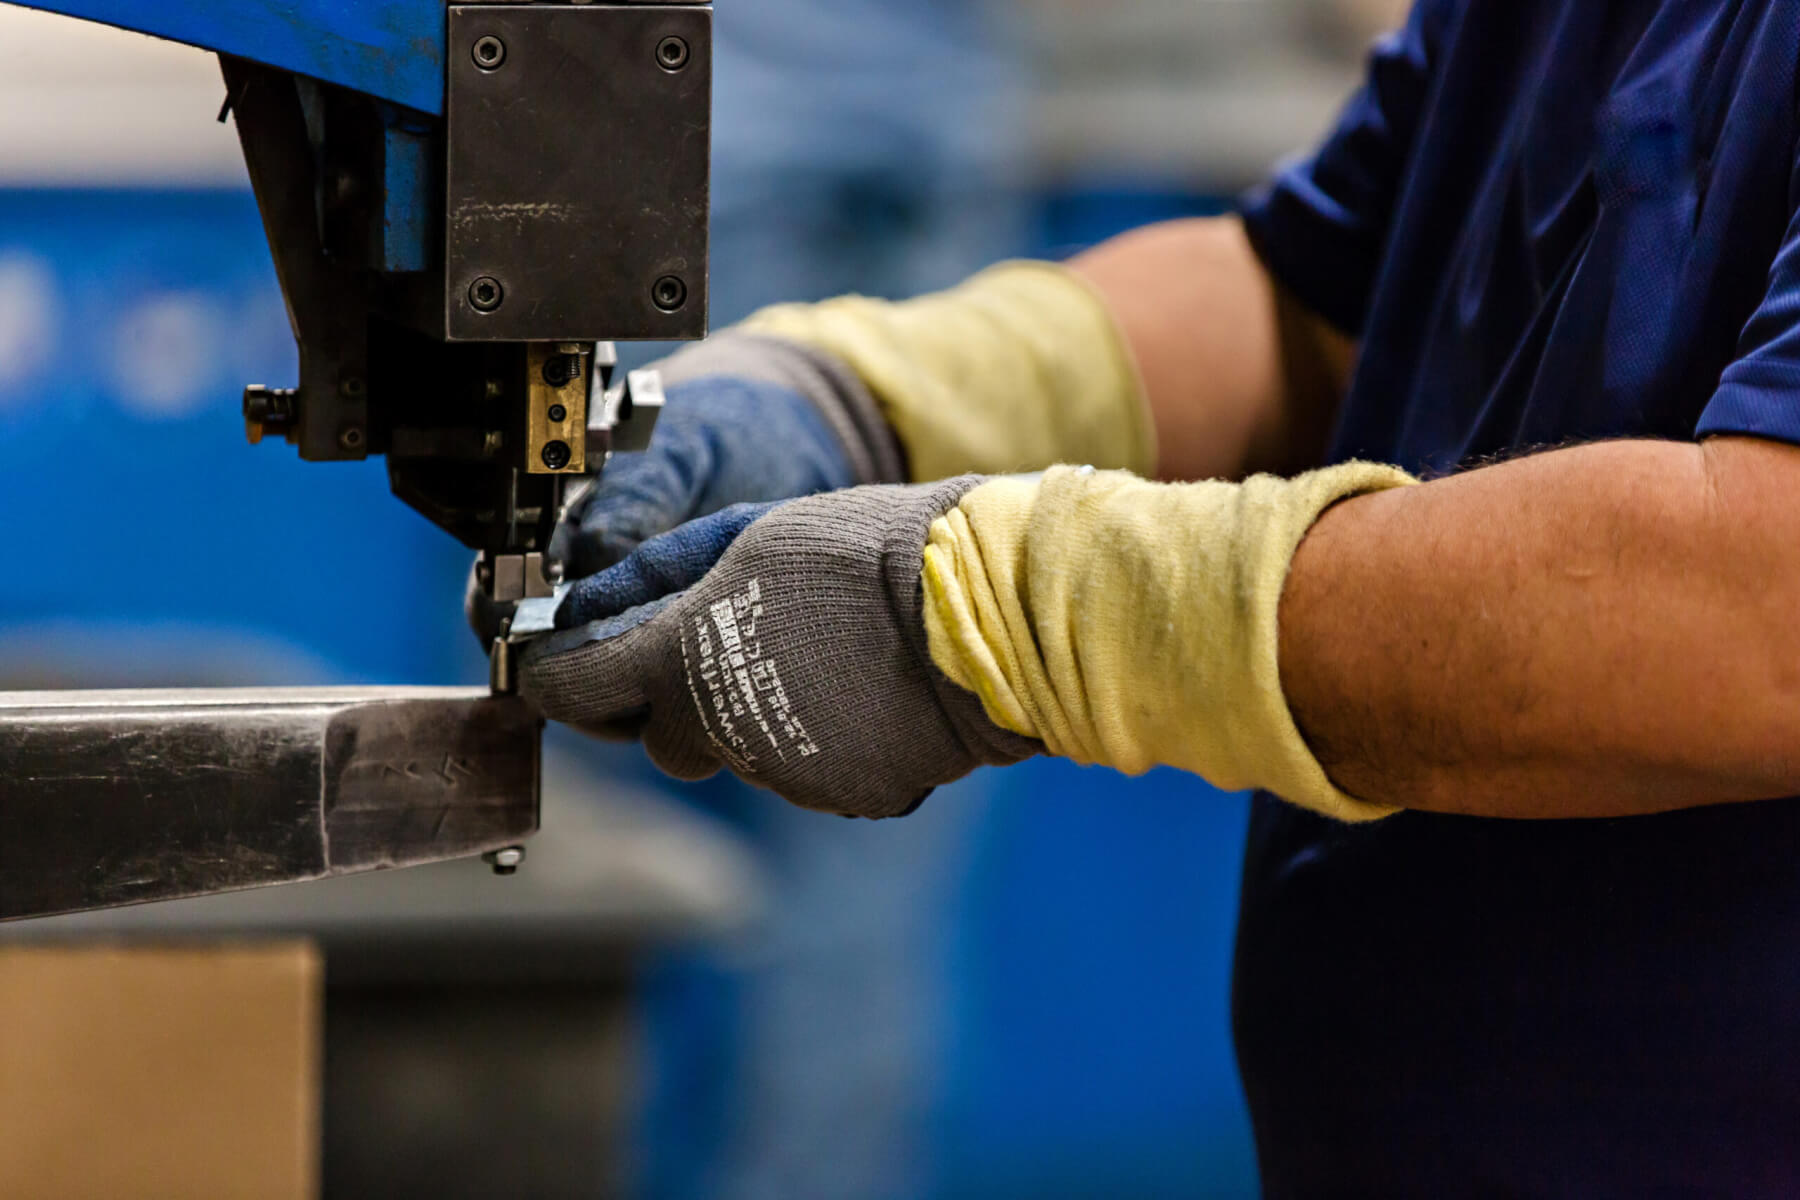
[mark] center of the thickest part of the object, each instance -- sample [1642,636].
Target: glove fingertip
[590,676]
[622,730]
[688,768]
[912,808]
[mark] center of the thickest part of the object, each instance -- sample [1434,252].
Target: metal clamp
[521,577]
[532,618]
[623,416]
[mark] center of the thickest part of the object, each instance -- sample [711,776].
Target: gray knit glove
[784,641]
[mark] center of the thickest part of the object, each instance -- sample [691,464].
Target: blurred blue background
[1020,991]
[151,542]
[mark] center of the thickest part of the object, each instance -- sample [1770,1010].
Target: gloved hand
[786,642]
[1017,369]
[748,418]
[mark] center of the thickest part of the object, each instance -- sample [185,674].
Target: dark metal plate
[576,172]
[111,798]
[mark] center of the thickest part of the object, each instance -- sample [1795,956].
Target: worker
[1444,494]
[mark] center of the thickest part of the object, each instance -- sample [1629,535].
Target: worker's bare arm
[1239,376]
[1602,630]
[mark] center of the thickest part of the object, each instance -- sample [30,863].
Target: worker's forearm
[1167,351]
[1239,378]
[1016,369]
[1603,630]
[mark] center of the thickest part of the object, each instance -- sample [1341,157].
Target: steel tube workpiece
[119,797]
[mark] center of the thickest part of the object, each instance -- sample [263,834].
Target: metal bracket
[624,417]
[576,170]
[556,417]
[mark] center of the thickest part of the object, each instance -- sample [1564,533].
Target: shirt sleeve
[1321,223]
[1759,393]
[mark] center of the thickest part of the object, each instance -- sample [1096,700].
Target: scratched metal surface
[578,172]
[110,798]
[393,49]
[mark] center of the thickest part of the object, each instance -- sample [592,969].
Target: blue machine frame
[390,49]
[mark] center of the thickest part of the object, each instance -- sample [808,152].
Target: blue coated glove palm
[748,419]
[784,641]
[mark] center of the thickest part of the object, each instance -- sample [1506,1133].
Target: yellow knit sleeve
[1133,624]
[1017,369]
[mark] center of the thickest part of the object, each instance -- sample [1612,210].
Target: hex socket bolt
[486,294]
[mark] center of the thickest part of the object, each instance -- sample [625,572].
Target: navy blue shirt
[1547,220]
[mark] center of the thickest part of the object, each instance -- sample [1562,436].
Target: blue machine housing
[390,49]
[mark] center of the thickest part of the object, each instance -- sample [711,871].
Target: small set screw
[488,52]
[672,54]
[668,293]
[561,369]
[486,294]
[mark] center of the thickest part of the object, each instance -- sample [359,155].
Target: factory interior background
[689,991]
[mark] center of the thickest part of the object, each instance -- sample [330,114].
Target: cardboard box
[190,1073]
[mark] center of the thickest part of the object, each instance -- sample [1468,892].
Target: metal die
[556,412]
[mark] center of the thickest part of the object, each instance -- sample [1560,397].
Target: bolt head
[505,862]
[560,369]
[672,54]
[488,52]
[486,294]
[668,293]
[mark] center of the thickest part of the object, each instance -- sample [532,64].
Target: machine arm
[466,204]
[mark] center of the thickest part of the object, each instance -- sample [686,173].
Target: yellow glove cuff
[1133,624]
[1016,369]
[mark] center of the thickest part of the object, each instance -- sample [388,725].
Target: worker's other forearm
[1239,377]
[1597,631]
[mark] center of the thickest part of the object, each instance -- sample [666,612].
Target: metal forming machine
[466,204]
